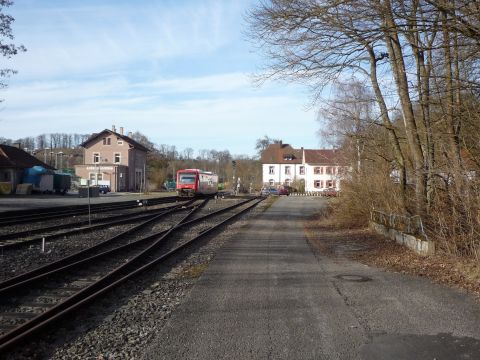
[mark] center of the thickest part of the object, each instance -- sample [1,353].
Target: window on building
[107,141]
[329,183]
[117,158]
[318,170]
[287,170]
[93,176]
[271,170]
[287,156]
[271,182]
[317,184]
[328,170]
[302,170]
[96,158]
[104,141]
[120,142]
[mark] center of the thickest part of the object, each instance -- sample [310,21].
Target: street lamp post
[45,155]
[61,160]
[56,159]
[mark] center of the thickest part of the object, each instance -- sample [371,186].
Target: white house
[305,169]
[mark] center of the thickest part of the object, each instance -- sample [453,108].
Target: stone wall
[420,246]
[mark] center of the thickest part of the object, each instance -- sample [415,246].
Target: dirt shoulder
[372,249]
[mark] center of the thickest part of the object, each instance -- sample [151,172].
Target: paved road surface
[269,295]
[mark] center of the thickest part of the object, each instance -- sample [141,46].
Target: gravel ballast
[121,325]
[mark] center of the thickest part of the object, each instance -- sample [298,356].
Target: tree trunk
[399,72]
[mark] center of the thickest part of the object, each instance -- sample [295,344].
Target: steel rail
[80,226]
[108,281]
[21,219]
[74,259]
[45,210]
[79,255]
[84,291]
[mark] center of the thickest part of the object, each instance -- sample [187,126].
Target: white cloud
[89,66]
[231,116]
[81,40]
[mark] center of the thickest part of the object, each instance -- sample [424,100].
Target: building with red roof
[306,169]
[13,162]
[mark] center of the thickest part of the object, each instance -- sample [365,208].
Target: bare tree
[8,49]
[262,143]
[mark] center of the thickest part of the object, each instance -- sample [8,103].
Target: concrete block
[420,246]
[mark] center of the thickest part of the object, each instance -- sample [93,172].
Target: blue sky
[177,71]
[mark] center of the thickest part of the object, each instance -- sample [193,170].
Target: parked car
[269,191]
[283,190]
[273,191]
[330,192]
[103,189]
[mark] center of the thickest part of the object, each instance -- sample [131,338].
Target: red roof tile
[126,138]
[281,154]
[322,157]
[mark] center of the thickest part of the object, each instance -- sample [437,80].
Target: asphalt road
[269,295]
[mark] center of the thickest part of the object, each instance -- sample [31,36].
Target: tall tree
[262,143]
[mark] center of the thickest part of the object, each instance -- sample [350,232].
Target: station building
[305,169]
[114,159]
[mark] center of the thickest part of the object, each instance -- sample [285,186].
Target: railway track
[51,232]
[29,216]
[34,300]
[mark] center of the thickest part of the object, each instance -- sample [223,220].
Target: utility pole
[234,166]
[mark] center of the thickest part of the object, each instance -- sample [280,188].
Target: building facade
[304,169]
[113,159]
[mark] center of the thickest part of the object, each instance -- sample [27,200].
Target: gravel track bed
[214,205]
[16,261]
[20,260]
[75,219]
[123,323]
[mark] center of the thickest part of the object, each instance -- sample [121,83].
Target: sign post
[88,196]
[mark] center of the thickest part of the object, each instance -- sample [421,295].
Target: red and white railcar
[192,182]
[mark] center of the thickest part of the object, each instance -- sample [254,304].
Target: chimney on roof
[129,134]
[113,128]
[121,130]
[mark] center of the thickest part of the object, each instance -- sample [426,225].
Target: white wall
[279,176]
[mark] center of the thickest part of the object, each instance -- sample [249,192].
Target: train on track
[195,182]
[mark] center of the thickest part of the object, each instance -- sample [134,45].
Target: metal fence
[407,224]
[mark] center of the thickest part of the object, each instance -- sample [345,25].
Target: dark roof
[129,140]
[322,157]
[13,157]
[280,154]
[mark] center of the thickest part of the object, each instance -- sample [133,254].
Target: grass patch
[269,202]
[193,271]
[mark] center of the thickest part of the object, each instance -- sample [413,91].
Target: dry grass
[193,271]
[360,244]
[268,202]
